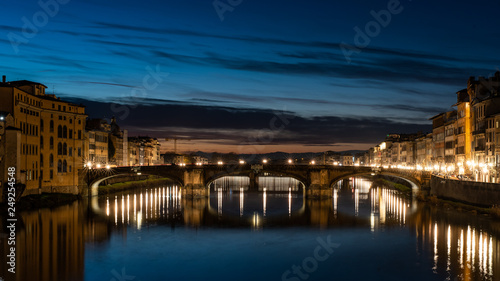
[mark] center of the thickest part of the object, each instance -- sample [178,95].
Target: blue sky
[264,56]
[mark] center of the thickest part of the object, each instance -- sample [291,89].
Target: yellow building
[49,149]
[463,129]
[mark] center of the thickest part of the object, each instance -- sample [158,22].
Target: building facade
[143,151]
[49,151]
[464,141]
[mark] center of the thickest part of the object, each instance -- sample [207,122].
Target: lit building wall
[51,141]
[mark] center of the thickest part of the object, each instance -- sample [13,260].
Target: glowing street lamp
[290,161]
[242,162]
[264,161]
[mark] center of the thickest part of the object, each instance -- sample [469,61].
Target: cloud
[101,83]
[377,68]
[248,126]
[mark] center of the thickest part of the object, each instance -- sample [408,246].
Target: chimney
[4,78]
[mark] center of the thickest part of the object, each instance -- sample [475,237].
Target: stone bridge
[195,180]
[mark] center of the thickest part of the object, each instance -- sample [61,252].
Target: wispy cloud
[241,125]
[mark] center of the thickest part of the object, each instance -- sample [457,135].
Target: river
[363,232]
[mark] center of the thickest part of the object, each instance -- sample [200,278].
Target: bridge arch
[211,177]
[414,183]
[94,184]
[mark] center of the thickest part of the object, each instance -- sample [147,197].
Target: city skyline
[249,77]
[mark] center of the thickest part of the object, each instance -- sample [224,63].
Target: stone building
[463,129]
[143,151]
[438,133]
[97,134]
[106,144]
[49,148]
[450,138]
[484,97]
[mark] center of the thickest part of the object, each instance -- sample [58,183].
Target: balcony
[479,148]
[479,132]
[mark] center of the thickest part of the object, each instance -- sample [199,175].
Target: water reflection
[459,251]
[229,202]
[50,245]
[454,246]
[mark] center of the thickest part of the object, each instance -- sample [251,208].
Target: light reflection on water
[68,243]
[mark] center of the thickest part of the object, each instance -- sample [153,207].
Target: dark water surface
[362,233]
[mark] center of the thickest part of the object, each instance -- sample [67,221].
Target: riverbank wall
[470,192]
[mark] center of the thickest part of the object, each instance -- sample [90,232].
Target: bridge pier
[317,191]
[320,184]
[194,184]
[194,191]
[253,184]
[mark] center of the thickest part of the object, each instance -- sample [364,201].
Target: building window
[70,120]
[51,127]
[59,166]
[65,132]
[41,142]
[70,134]
[59,131]
[65,166]
[59,149]
[65,149]
[70,168]
[41,160]
[79,152]
[51,174]
[79,134]
[59,108]
[51,143]
[70,151]
[41,125]
[51,161]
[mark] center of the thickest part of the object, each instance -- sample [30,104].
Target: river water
[363,232]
